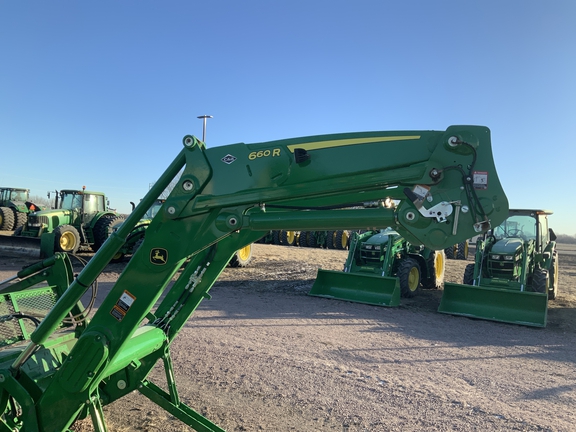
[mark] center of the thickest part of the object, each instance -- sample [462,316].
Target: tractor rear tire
[20,219]
[341,240]
[462,253]
[436,266]
[540,280]
[103,228]
[6,219]
[288,238]
[468,275]
[409,274]
[242,257]
[66,239]
[312,240]
[330,240]
[449,251]
[303,239]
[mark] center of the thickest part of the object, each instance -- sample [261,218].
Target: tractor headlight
[508,257]
[368,247]
[35,224]
[495,257]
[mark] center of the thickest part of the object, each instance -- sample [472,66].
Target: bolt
[410,216]
[171,210]
[188,185]
[465,209]
[232,221]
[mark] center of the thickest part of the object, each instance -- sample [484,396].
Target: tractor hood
[382,237]
[507,246]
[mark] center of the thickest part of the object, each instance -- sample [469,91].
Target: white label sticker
[480,180]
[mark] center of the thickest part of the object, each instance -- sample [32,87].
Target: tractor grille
[502,269]
[34,220]
[36,303]
[370,253]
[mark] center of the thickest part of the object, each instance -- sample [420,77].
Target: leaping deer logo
[158,256]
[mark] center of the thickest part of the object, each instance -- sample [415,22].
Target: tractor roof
[530,212]
[81,192]
[15,189]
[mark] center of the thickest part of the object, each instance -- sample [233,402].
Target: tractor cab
[83,205]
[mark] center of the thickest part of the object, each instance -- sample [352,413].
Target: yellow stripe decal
[347,142]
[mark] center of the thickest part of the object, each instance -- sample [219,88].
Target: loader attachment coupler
[358,288]
[495,304]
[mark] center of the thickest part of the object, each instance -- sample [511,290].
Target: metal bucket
[495,304]
[358,288]
[22,246]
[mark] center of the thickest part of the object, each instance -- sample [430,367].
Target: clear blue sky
[100,93]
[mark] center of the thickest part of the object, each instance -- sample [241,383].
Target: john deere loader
[514,274]
[381,267]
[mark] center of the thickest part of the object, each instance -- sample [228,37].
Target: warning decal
[480,180]
[122,306]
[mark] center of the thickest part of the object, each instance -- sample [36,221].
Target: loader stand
[171,401]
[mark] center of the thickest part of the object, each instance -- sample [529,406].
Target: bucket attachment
[21,246]
[495,304]
[358,288]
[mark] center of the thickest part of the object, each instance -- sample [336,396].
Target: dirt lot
[261,355]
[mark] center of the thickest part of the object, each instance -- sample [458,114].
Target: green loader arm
[226,198]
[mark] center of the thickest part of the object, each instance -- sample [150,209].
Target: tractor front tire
[469,275]
[540,280]
[436,266]
[409,275]
[103,228]
[341,240]
[6,219]
[66,239]
[553,290]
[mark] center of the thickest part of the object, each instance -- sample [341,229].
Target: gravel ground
[262,355]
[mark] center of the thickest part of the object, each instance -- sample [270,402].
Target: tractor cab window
[93,204]
[19,196]
[71,201]
[517,226]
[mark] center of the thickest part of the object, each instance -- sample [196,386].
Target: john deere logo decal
[228,159]
[158,256]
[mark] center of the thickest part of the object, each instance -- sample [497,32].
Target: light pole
[204,117]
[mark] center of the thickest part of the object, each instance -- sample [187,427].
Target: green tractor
[514,274]
[80,218]
[381,267]
[14,208]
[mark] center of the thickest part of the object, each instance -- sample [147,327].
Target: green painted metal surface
[358,288]
[226,198]
[495,304]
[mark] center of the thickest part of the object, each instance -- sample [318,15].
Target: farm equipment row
[62,366]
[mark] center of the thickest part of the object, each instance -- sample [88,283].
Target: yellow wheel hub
[413,279]
[244,253]
[67,241]
[438,265]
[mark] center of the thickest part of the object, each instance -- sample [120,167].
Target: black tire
[6,219]
[103,228]
[312,240]
[436,267]
[462,253]
[303,239]
[288,238]
[540,280]
[276,238]
[330,240]
[18,231]
[468,275]
[242,257]
[66,239]
[20,219]
[341,240]
[409,275]
[449,251]
[553,290]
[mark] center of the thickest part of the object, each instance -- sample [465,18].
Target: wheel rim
[438,265]
[244,253]
[290,236]
[413,279]
[466,250]
[344,240]
[67,241]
